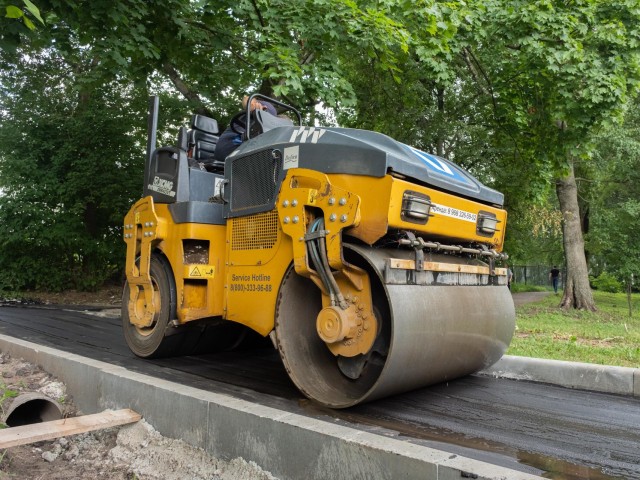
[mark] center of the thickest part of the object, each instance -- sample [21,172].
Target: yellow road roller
[371,265]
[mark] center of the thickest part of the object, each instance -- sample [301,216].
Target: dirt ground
[133,452]
[110,295]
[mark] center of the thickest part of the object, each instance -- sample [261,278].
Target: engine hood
[363,152]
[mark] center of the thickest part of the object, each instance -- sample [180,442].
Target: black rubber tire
[152,342]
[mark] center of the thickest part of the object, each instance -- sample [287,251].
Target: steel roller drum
[430,333]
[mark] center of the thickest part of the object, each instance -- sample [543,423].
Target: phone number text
[251,287]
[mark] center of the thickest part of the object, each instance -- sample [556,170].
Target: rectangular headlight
[416,207]
[487,224]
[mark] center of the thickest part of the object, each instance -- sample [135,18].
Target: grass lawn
[608,336]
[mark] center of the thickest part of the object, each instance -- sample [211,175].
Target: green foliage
[216,51]
[432,104]
[534,232]
[17,22]
[581,65]
[6,393]
[70,167]
[613,196]
[511,90]
[72,106]
[606,283]
[560,73]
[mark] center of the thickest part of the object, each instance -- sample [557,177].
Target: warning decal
[201,271]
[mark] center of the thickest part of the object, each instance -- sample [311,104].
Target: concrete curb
[290,446]
[582,376]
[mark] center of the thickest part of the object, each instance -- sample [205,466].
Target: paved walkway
[528,297]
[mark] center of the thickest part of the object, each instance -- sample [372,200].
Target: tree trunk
[577,292]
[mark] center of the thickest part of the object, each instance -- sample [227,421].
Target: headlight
[487,224]
[416,207]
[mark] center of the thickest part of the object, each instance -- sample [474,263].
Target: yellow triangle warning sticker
[200,271]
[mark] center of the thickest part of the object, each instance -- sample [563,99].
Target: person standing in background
[509,276]
[554,276]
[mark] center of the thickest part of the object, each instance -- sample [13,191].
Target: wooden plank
[405,264]
[37,432]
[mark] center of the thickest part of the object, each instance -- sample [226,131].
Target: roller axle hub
[335,325]
[347,332]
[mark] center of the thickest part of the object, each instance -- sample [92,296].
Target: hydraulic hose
[317,261]
[325,264]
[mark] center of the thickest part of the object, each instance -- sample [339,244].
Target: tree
[444,102]
[538,80]
[69,169]
[213,52]
[94,70]
[614,196]
[514,91]
[427,99]
[563,70]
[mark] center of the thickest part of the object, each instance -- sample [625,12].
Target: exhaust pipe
[152,131]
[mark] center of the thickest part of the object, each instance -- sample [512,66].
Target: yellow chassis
[249,256]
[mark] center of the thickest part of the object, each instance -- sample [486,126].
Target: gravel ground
[135,451]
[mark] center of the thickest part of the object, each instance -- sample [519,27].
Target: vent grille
[255,180]
[255,232]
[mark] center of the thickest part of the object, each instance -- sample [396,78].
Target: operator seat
[201,143]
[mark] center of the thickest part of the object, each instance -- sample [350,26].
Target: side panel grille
[255,232]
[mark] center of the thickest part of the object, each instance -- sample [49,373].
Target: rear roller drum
[151,342]
[160,339]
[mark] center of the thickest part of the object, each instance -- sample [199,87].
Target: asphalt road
[540,429]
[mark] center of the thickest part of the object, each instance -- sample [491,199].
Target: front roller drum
[426,334]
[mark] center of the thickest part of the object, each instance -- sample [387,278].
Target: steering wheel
[239,123]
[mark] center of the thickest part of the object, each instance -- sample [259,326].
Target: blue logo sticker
[438,166]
